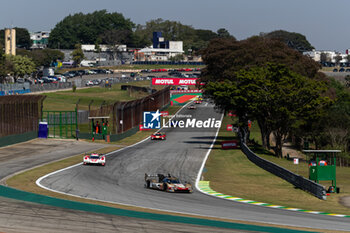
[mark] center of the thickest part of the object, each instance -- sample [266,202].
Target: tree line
[102,27]
[267,81]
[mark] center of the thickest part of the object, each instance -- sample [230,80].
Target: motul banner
[174,81]
[164,113]
[233,144]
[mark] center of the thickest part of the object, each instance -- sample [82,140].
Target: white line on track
[206,158]
[55,172]
[164,210]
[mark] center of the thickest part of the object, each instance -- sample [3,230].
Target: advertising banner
[174,81]
[233,144]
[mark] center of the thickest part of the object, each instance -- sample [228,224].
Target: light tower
[10,41]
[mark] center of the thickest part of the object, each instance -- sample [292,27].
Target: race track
[122,180]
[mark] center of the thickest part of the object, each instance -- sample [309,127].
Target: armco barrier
[298,181]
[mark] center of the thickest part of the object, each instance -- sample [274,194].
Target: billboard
[174,81]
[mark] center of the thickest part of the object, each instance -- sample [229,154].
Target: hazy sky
[324,22]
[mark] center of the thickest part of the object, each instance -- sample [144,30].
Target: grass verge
[231,173]
[66,100]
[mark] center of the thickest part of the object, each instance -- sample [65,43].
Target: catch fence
[20,114]
[124,116]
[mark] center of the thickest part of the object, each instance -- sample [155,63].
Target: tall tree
[3,71]
[86,28]
[42,57]
[223,33]
[292,39]
[324,57]
[78,54]
[194,39]
[337,59]
[225,56]
[228,59]
[276,97]
[22,65]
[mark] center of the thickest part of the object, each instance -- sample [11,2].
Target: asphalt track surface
[19,216]
[122,180]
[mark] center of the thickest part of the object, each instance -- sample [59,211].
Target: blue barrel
[43,130]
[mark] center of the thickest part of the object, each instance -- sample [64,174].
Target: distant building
[40,39]
[10,41]
[326,56]
[104,48]
[160,51]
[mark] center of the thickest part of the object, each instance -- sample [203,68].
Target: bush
[74,87]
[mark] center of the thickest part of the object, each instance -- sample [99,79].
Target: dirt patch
[345,201]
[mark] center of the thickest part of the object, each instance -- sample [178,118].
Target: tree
[337,59]
[22,65]
[178,57]
[116,36]
[81,28]
[223,33]
[324,58]
[195,39]
[278,98]
[42,57]
[226,56]
[78,54]
[3,71]
[294,40]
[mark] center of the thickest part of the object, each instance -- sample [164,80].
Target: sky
[325,23]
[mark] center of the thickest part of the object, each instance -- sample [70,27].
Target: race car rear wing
[151,176]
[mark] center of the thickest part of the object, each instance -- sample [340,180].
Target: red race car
[158,136]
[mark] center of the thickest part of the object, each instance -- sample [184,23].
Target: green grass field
[231,173]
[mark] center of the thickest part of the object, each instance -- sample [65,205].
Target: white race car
[94,158]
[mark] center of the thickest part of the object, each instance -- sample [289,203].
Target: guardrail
[50,86]
[296,180]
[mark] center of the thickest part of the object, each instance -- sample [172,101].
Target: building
[160,51]
[326,56]
[10,41]
[40,39]
[103,48]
